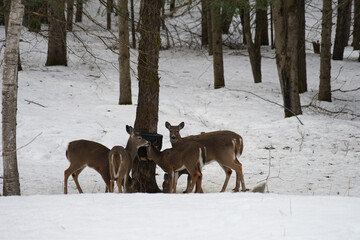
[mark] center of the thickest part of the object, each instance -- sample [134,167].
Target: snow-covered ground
[314,178]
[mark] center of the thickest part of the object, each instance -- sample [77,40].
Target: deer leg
[176,177]
[237,166]
[75,176]
[228,174]
[198,188]
[241,176]
[194,179]
[171,180]
[72,169]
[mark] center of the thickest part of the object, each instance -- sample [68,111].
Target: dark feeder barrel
[150,137]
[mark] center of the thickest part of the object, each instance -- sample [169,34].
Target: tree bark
[143,172]
[356,31]
[124,53]
[32,21]
[57,34]
[218,63]
[253,47]
[341,29]
[209,27]
[172,5]
[227,15]
[133,31]
[325,55]
[109,10]
[301,48]
[262,21]
[204,27]
[79,10]
[11,182]
[286,45]
[70,15]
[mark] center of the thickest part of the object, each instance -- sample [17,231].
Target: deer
[83,153]
[224,147]
[189,155]
[120,160]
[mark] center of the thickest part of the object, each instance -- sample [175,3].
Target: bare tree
[11,180]
[356,31]
[57,34]
[286,44]
[124,53]
[325,55]
[69,15]
[254,48]
[143,172]
[341,29]
[218,63]
[79,10]
[301,48]
[262,21]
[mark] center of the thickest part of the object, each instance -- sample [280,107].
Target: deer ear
[129,130]
[181,125]
[167,125]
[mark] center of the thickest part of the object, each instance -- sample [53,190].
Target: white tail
[188,155]
[83,153]
[225,147]
[120,160]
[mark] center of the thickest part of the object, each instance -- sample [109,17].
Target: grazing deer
[120,160]
[225,147]
[82,153]
[189,155]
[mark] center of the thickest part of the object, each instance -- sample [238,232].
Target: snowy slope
[314,168]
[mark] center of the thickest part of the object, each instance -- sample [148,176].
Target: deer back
[92,154]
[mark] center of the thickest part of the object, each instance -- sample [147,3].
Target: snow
[314,190]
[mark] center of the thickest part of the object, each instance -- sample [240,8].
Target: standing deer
[225,147]
[189,155]
[82,153]
[120,160]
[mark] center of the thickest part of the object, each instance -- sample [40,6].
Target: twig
[238,90]
[8,153]
[35,103]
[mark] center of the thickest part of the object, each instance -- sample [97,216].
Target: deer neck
[132,149]
[155,155]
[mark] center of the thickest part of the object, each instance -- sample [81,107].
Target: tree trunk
[348,23]
[57,34]
[356,31]
[70,15]
[109,10]
[124,53]
[11,182]
[204,27]
[79,10]
[227,15]
[218,64]
[172,5]
[341,29]
[209,27]
[32,21]
[262,21]
[325,55]
[133,31]
[272,27]
[286,45]
[253,48]
[301,48]
[143,172]
[242,24]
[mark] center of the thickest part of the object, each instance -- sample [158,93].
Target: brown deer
[189,155]
[120,160]
[82,153]
[224,147]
